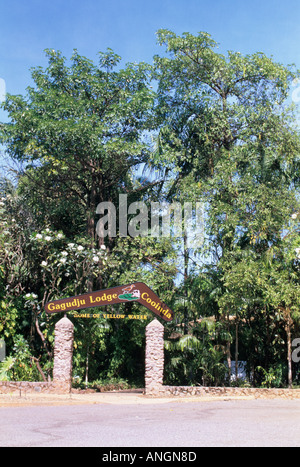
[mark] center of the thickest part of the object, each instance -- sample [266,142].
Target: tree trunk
[236,350]
[228,355]
[87,367]
[186,269]
[289,323]
[36,361]
[43,339]
[90,227]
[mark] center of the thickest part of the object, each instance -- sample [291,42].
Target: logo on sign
[130,293]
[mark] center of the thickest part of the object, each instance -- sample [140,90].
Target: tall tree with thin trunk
[78,133]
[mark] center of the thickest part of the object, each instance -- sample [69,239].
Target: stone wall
[62,372]
[256,393]
[155,369]
[27,387]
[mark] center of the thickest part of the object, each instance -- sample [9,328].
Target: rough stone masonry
[154,358]
[63,352]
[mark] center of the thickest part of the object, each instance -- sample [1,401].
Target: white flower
[48,238]
[1,203]
[63,260]
[31,295]
[80,248]
[294,216]
[64,253]
[38,236]
[71,245]
[60,235]
[103,247]
[44,264]
[96,259]
[47,230]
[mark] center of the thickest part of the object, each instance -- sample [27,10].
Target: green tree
[78,133]
[225,120]
[211,103]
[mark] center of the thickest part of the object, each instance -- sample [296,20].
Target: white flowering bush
[66,267]
[35,267]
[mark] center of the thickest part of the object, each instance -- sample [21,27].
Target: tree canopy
[213,129]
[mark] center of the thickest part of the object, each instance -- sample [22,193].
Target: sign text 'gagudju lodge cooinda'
[136,292]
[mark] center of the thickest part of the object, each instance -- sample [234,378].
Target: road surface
[166,424]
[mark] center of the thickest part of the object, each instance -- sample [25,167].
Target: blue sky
[128,27]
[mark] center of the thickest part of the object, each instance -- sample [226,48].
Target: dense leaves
[218,132]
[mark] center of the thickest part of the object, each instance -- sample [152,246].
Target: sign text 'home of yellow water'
[136,292]
[109,316]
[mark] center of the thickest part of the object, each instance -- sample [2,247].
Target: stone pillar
[154,358]
[63,354]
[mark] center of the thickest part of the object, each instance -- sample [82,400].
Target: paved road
[174,424]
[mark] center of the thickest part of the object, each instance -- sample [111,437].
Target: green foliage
[78,134]
[20,366]
[217,132]
[273,377]
[224,119]
[198,358]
